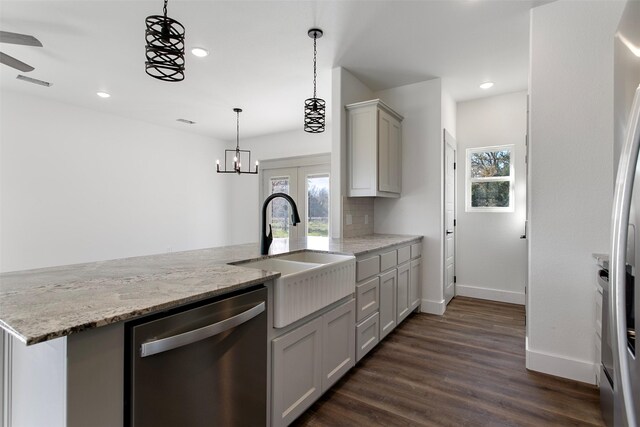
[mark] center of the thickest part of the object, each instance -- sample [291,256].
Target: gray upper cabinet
[374,150]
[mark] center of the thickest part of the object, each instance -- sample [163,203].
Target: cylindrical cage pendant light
[314,108]
[165,47]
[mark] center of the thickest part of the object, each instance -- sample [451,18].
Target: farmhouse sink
[309,281]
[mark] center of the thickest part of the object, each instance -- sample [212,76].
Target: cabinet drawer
[416,250]
[367,267]
[388,260]
[367,336]
[404,254]
[367,298]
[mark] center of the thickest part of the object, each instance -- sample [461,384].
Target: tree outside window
[490,179]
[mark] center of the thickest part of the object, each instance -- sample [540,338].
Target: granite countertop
[43,304]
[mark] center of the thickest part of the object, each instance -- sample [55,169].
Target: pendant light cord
[237,130]
[314,65]
[164,9]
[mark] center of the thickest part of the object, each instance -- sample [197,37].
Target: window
[490,179]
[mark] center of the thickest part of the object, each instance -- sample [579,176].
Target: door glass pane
[318,205]
[279,207]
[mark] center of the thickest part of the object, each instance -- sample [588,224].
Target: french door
[309,187]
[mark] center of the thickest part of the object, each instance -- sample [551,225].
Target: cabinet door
[415,284]
[367,335]
[403,292]
[389,153]
[362,151]
[297,372]
[367,298]
[388,302]
[339,343]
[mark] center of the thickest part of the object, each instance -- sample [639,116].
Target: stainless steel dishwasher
[204,365]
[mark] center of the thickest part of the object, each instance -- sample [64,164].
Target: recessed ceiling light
[103,94]
[199,52]
[486,85]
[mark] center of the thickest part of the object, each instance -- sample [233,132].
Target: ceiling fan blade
[14,63]
[15,38]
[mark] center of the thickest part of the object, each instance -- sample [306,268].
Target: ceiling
[260,55]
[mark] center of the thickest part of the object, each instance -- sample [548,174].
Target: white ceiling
[260,55]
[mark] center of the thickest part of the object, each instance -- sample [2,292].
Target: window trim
[510,179]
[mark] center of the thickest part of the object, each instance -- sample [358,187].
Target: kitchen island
[75,314]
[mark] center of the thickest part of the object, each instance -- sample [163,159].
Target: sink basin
[309,281]
[284,267]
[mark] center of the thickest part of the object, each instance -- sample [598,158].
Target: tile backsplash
[357,219]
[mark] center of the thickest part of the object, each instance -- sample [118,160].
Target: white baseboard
[560,366]
[490,294]
[433,307]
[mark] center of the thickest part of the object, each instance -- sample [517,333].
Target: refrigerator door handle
[165,344]
[620,221]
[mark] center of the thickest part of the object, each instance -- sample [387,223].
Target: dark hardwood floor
[466,368]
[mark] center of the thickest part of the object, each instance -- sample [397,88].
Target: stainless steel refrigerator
[624,295]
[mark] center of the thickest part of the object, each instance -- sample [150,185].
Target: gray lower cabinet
[367,335]
[309,359]
[368,298]
[403,292]
[297,371]
[415,288]
[388,289]
[338,343]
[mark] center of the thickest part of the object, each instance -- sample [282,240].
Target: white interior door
[450,217]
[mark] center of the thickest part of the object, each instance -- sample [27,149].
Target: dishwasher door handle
[165,344]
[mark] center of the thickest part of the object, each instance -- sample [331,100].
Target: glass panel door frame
[304,174]
[298,169]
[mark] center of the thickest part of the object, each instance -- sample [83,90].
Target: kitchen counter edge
[221,264]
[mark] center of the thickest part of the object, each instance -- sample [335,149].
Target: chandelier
[236,165]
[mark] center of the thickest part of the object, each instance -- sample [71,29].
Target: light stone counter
[39,305]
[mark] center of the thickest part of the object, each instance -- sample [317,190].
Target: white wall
[78,185]
[345,89]
[243,197]
[571,131]
[490,256]
[419,210]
